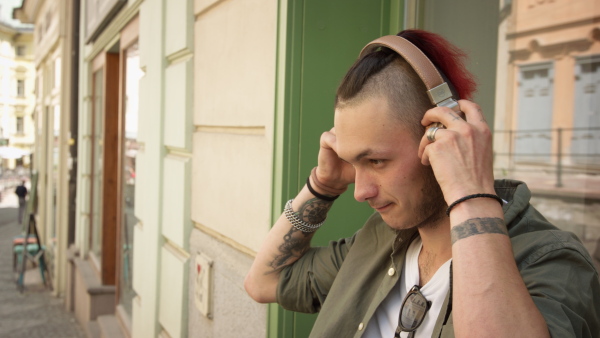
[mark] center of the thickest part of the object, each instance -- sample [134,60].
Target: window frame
[109,62]
[129,37]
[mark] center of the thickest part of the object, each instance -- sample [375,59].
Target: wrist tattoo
[478,226]
[295,242]
[314,210]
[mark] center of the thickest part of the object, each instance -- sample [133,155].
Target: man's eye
[376,162]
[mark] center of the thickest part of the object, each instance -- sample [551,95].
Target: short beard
[433,206]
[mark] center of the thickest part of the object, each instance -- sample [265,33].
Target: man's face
[389,174]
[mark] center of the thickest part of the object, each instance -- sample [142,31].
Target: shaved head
[385,74]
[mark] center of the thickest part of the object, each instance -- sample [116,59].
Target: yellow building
[55,113]
[548,109]
[17,89]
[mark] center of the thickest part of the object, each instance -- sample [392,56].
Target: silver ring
[431,133]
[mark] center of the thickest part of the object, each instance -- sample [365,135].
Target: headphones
[438,90]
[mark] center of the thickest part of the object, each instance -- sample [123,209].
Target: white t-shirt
[385,320]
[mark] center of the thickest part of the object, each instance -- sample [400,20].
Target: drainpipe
[74,120]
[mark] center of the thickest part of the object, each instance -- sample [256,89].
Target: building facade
[548,111]
[17,89]
[196,121]
[53,161]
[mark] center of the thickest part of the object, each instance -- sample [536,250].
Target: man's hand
[333,171]
[488,290]
[285,244]
[461,156]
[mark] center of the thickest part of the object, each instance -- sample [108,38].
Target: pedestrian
[449,251]
[21,192]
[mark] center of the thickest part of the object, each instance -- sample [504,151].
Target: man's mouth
[382,207]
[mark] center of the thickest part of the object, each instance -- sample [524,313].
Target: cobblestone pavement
[35,312]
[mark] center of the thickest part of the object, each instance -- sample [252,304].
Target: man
[448,251]
[21,192]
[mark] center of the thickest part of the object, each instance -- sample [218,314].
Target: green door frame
[291,141]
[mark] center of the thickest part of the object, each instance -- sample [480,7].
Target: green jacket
[347,280]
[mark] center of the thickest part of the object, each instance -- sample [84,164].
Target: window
[20,88]
[132,76]
[20,50]
[104,165]
[585,140]
[56,73]
[534,133]
[20,129]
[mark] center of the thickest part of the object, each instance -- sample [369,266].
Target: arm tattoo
[478,226]
[295,242]
[314,210]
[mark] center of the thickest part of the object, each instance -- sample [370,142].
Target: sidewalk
[35,312]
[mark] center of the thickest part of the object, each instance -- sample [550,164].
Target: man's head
[384,72]
[379,106]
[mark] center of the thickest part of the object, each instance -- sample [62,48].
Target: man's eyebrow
[363,154]
[360,156]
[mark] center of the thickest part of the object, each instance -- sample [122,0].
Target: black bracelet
[468,197]
[317,195]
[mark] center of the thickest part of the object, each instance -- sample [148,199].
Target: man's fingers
[328,140]
[426,146]
[451,119]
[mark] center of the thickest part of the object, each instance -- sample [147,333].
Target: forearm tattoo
[314,210]
[295,242]
[478,226]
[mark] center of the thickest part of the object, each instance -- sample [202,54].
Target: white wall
[234,100]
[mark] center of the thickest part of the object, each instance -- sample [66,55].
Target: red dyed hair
[400,84]
[446,57]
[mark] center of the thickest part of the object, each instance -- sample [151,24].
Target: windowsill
[93,284]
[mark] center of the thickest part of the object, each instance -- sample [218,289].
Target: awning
[12,152]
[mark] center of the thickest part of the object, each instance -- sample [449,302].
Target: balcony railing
[559,151]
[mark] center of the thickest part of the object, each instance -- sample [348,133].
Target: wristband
[317,195]
[323,187]
[468,197]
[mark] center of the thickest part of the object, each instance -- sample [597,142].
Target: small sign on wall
[203,285]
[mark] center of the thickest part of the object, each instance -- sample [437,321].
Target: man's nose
[364,186]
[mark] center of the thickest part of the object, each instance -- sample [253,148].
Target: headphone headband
[437,89]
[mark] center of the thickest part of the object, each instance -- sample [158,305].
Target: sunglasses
[412,312]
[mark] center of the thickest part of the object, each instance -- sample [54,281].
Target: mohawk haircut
[384,73]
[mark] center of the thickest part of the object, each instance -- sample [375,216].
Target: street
[35,312]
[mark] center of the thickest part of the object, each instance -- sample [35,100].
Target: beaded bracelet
[468,197]
[296,222]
